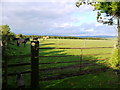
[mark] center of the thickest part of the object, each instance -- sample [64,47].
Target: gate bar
[78,48]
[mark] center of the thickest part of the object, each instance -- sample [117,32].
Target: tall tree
[112,10]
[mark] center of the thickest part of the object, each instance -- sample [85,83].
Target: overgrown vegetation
[6,34]
[6,38]
[114,59]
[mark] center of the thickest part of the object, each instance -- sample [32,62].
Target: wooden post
[34,64]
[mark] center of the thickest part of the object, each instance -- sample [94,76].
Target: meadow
[103,79]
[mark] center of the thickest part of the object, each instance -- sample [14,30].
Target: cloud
[54,1]
[98,24]
[89,30]
[58,17]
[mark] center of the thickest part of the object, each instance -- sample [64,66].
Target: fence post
[34,64]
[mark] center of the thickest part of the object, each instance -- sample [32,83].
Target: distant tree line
[71,37]
[63,37]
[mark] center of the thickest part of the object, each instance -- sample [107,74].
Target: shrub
[113,61]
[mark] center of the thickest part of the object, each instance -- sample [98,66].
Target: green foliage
[114,59]
[72,37]
[19,36]
[7,35]
[111,8]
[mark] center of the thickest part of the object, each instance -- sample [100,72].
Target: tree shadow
[48,44]
[63,68]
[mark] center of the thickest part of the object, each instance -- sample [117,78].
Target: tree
[19,36]
[112,10]
[6,34]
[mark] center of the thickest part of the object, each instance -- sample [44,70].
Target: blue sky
[52,17]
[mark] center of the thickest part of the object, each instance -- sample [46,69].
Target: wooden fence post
[34,64]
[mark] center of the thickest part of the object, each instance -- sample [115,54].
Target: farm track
[62,76]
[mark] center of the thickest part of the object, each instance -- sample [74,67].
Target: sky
[52,17]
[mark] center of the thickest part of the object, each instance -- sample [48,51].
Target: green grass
[100,80]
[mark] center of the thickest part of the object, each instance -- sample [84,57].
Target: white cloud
[0,14]
[98,24]
[89,30]
[66,25]
[63,25]
[86,8]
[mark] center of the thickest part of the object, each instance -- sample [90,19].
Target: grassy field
[106,79]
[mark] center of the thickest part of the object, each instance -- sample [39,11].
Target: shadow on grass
[66,70]
[13,50]
[48,44]
[60,69]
